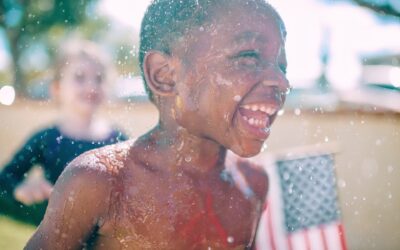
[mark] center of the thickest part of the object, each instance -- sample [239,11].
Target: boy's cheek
[242,76]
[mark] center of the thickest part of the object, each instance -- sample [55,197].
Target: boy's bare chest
[175,213]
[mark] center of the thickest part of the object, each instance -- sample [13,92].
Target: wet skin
[169,189]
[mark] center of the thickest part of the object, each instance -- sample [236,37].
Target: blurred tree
[387,8]
[25,20]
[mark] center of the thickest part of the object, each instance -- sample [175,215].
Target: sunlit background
[344,65]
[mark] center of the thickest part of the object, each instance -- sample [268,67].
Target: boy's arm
[79,200]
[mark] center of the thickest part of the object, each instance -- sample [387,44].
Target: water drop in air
[264,147]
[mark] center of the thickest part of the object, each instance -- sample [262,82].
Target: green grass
[14,234]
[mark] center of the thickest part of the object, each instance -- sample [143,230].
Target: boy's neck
[186,153]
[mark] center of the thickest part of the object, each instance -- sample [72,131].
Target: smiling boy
[216,72]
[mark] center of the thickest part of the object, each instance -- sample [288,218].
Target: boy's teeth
[255,122]
[263,109]
[260,107]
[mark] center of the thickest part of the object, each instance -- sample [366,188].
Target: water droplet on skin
[230,239]
[237,98]
[221,81]
[267,129]
[281,112]
[297,111]
[326,139]
[188,158]
[226,117]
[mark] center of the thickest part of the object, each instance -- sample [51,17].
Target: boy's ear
[159,73]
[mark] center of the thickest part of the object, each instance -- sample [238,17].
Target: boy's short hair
[165,21]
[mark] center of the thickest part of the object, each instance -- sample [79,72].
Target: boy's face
[231,83]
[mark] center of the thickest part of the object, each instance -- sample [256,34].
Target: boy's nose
[274,77]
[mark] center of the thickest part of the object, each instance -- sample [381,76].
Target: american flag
[302,206]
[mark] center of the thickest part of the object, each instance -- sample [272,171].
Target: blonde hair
[76,48]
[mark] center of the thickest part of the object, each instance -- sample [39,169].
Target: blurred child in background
[80,78]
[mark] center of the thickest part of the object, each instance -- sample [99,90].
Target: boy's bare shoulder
[108,160]
[96,171]
[93,175]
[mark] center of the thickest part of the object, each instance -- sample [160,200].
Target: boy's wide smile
[255,119]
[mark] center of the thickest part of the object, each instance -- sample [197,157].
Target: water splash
[264,147]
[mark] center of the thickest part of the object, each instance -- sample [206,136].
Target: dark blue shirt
[53,151]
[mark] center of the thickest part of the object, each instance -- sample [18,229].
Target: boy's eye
[247,58]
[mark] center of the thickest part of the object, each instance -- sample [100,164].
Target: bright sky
[127,12]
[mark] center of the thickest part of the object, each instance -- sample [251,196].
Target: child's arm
[79,200]
[34,189]
[30,154]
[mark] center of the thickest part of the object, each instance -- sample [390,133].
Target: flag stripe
[289,242]
[323,237]
[342,237]
[333,239]
[316,241]
[270,227]
[306,239]
[298,241]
